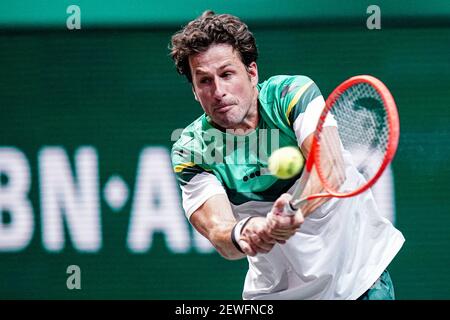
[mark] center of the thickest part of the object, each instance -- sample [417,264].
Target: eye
[226,74]
[205,80]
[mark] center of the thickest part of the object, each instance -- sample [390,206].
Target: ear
[252,71]
[195,95]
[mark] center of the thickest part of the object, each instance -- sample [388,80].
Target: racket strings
[363,127]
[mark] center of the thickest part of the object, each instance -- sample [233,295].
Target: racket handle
[289,210]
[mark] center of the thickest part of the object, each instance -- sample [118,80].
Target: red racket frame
[394,134]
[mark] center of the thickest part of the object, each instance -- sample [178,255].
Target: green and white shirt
[341,248]
[208,161]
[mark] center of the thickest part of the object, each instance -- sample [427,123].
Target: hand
[261,234]
[255,238]
[279,226]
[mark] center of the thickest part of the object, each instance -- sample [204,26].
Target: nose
[218,90]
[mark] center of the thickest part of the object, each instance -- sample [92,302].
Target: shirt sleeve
[306,122]
[199,189]
[197,183]
[302,103]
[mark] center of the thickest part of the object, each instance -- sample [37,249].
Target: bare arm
[332,164]
[215,220]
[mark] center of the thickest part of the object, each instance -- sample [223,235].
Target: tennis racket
[367,128]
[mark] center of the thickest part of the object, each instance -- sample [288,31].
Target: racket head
[368,126]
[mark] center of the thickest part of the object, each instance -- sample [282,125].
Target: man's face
[225,88]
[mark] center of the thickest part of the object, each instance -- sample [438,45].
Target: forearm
[332,169]
[313,186]
[216,225]
[221,239]
[252,235]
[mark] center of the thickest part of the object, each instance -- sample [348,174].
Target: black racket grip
[289,210]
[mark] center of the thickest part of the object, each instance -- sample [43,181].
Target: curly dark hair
[208,29]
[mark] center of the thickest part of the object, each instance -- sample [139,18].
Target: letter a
[74,20]
[74,281]
[374,21]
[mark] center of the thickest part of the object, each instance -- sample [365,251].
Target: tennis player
[334,249]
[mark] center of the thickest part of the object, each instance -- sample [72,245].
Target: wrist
[237,230]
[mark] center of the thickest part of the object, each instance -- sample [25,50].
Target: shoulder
[281,86]
[188,142]
[287,96]
[190,135]
[187,156]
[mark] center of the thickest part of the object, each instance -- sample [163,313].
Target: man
[330,249]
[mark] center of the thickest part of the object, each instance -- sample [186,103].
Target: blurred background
[89,101]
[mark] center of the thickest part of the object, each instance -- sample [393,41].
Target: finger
[284,222]
[281,202]
[248,250]
[260,244]
[277,232]
[283,237]
[294,221]
[283,233]
[299,218]
[274,220]
[266,237]
[280,238]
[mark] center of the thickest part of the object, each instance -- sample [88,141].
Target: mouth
[223,108]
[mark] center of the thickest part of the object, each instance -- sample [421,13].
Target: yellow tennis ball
[286,162]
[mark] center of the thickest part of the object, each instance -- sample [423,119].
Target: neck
[250,121]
